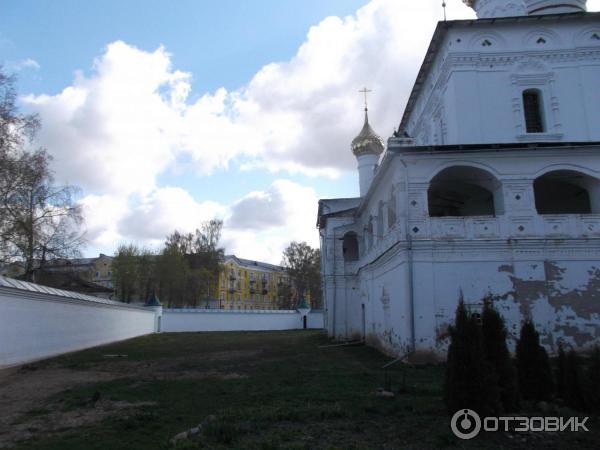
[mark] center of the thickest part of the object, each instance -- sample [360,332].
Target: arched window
[461,191]
[350,246]
[392,211]
[532,109]
[369,233]
[566,192]
[380,221]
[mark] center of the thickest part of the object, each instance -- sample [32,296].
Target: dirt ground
[31,404]
[264,390]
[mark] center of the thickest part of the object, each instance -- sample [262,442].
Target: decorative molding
[540,137]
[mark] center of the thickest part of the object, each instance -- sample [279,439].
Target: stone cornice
[478,60]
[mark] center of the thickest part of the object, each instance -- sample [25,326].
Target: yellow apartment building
[247,284]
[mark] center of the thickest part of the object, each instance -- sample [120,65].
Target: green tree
[203,259]
[303,266]
[125,272]
[172,275]
[533,366]
[146,273]
[496,351]
[471,381]
[285,295]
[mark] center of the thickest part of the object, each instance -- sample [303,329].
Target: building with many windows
[247,284]
[490,187]
[91,276]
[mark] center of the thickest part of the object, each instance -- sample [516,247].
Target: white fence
[37,321]
[174,320]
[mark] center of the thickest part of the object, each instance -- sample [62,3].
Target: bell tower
[366,147]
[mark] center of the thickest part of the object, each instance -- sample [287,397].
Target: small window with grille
[532,107]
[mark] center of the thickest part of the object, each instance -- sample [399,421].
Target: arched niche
[462,191]
[350,246]
[566,192]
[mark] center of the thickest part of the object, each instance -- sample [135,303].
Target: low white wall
[174,320]
[315,319]
[35,325]
[37,321]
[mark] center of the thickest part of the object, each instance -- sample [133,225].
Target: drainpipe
[409,252]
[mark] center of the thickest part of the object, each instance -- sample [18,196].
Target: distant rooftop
[255,264]
[11,283]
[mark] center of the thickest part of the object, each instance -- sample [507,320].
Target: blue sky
[170,113]
[222,43]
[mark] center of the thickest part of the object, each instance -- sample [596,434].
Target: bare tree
[42,219]
[39,220]
[15,128]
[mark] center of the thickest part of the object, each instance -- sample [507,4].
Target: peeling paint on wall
[576,311]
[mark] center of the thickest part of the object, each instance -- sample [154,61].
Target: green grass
[285,393]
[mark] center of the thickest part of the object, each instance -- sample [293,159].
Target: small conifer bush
[533,365]
[471,380]
[496,351]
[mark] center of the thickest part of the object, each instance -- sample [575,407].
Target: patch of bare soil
[57,421]
[24,391]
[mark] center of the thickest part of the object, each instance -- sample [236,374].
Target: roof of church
[438,37]
[335,207]
[367,142]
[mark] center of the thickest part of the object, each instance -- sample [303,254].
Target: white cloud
[18,66]
[29,63]
[112,132]
[115,130]
[263,223]
[257,226]
[164,211]
[121,126]
[102,214]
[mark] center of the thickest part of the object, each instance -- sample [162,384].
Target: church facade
[489,188]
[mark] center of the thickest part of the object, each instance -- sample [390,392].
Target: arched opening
[392,210]
[566,192]
[532,109]
[462,191]
[369,234]
[380,229]
[350,246]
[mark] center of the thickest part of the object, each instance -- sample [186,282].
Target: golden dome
[367,142]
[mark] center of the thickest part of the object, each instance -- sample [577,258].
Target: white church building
[491,185]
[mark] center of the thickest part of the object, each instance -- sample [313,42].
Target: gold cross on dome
[365,91]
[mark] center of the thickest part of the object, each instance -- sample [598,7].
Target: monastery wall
[35,325]
[178,320]
[38,322]
[555,283]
